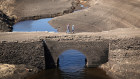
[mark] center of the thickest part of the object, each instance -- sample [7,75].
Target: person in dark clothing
[68,28]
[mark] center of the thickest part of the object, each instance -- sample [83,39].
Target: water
[71,66]
[34,25]
[81,7]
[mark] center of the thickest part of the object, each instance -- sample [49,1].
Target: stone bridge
[117,51]
[43,49]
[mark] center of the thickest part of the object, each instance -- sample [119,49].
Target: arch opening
[71,61]
[34,25]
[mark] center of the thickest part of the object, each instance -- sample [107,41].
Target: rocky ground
[5,23]
[10,71]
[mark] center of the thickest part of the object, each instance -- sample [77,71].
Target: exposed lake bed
[99,16]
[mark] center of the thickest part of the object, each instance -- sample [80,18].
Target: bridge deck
[83,36]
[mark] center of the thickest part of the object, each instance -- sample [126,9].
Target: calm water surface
[71,66]
[34,25]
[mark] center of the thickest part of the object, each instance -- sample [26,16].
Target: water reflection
[71,66]
[71,61]
[34,25]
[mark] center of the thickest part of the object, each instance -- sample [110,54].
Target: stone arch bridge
[43,49]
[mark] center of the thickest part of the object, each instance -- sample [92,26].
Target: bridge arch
[96,51]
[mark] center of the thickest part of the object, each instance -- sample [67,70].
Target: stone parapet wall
[29,53]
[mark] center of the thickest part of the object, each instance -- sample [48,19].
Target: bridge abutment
[26,52]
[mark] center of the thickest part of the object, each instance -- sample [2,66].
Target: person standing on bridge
[68,28]
[72,28]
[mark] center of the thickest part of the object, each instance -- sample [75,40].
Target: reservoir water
[71,66]
[34,25]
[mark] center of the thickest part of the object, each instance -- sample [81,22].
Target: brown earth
[102,15]
[35,9]
[10,71]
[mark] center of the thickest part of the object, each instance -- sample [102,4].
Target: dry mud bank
[20,9]
[102,15]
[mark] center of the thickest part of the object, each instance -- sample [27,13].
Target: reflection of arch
[76,52]
[66,49]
